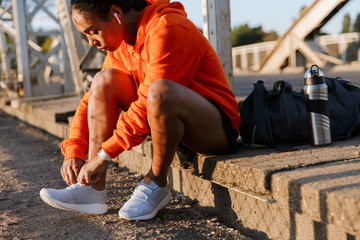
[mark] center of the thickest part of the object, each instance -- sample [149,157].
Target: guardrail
[345,47]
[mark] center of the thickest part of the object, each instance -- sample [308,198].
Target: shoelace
[75,186]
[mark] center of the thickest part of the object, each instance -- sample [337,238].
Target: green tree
[46,47]
[10,42]
[8,39]
[270,36]
[243,35]
[44,42]
[302,9]
[356,26]
[346,23]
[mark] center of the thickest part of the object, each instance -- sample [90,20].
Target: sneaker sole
[162,204]
[95,208]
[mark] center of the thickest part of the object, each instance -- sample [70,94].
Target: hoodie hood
[154,11]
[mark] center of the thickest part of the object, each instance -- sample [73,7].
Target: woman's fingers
[70,170]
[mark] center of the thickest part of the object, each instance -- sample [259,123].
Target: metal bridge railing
[338,49]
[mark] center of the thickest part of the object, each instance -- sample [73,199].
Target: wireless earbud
[116,16]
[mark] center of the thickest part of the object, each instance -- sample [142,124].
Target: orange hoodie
[168,46]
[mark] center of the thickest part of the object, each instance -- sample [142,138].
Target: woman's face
[106,35]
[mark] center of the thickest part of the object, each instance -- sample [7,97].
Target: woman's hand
[91,171]
[70,170]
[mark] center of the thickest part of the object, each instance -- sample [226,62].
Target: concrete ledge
[275,212]
[49,113]
[292,193]
[328,193]
[56,109]
[256,216]
[251,169]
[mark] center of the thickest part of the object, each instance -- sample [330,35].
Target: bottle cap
[314,76]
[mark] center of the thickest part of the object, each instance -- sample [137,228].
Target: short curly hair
[102,8]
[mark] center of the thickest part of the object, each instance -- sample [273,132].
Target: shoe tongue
[146,181]
[149,184]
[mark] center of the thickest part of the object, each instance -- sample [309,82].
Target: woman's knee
[103,82]
[163,96]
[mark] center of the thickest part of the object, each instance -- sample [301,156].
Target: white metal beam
[217,30]
[21,37]
[73,43]
[5,65]
[311,19]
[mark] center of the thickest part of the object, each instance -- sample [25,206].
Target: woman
[166,77]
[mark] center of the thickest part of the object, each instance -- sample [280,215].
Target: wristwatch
[103,155]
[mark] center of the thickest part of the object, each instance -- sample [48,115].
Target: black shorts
[230,132]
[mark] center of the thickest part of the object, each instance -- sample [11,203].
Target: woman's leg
[178,114]
[111,90]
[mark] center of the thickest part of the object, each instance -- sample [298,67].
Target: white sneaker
[76,197]
[145,202]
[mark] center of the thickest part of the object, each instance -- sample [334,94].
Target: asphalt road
[243,84]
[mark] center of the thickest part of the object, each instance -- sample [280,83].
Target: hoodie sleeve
[172,55]
[77,145]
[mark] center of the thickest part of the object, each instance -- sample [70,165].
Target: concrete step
[257,190]
[251,169]
[292,193]
[49,113]
[53,108]
[329,193]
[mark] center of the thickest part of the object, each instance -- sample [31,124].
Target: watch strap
[103,155]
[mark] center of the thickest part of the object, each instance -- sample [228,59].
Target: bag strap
[282,86]
[349,86]
[261,115]
[285,91]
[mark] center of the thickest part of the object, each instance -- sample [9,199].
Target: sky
[275,15]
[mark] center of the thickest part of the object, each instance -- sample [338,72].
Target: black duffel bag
[278,118]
